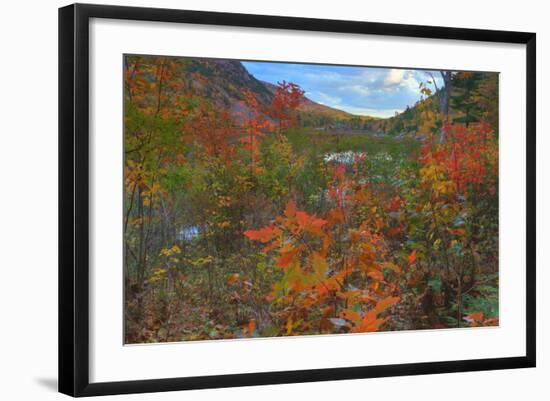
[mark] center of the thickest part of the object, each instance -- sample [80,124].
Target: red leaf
[253,235]
[302,218]
[318,222]
[286,259]
[412,257]
[321,290]
[264,235]
[290,210]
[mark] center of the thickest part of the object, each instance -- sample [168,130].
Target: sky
[377,92]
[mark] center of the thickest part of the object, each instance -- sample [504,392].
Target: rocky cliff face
[224,81]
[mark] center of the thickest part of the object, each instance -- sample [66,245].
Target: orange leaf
[336,216]
[251,326]
[290,210]
[318,222]
[412,257]
[264,235]
[376,275]
[475,317]
[285,260]
[491,322]
[302,218]
[328,311]
[384,304]
[233,278]
[350,314]
[253,235]
[370,323]
[391,266]
[349,295]
[321,290]
[288,255]
[272,246]
[459,231]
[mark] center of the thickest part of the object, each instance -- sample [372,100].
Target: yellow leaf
[320,265]
[391,266]
[289,326]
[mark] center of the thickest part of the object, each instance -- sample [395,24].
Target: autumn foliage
[233,227]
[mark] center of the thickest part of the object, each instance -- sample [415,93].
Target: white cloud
[375,91]
[412,83]
[395,77]
[369,75]
[326,76]
[359,89]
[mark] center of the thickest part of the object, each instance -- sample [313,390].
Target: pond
[187,233]
[349,157]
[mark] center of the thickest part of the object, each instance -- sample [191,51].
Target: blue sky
[378,92]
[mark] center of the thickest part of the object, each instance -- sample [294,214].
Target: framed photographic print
[250,199]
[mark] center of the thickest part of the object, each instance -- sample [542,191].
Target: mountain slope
[223,81]
[226,80]
[310,106]
[474,97]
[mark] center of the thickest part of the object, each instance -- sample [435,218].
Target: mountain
[223,81]
[313,114]
[309,106]
[226,80]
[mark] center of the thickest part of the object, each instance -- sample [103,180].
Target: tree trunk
[444,100]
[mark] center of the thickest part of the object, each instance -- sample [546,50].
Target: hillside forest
[251,210]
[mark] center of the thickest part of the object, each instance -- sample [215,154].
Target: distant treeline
[474,97]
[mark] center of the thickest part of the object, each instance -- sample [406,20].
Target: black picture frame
[74,198]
